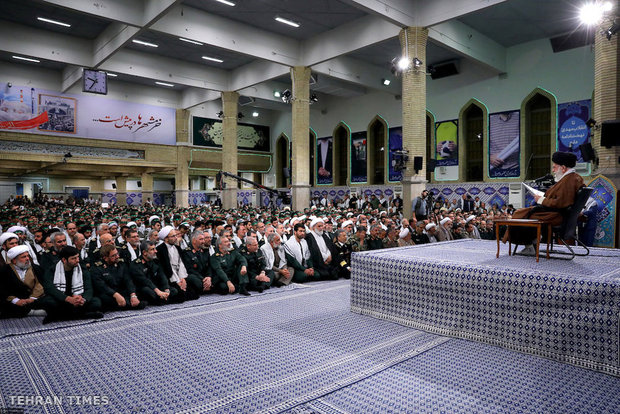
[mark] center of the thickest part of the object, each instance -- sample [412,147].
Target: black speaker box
[139,184]
[610,133]
[417,163]
[441,70]
[587,152]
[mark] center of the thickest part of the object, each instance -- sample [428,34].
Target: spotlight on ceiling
[240,115]
[386,82]
[286,96]
[68,155]
[313,98]
[276,94]
[403,63]
[612,30]
[592,13]
[417,63]
[255,114]
[591,123]
[220,114]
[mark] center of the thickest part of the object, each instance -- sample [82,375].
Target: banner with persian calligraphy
[208,132]
[572,128]
[39,111]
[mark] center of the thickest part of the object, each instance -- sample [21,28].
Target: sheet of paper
[533,190]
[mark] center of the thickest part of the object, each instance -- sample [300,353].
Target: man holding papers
[550,205]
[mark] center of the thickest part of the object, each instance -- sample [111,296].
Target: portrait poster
[446,137]
[504,144]
[61,113]
[395,144]
[325,154]
[359,149]
[572,128]
[208,132]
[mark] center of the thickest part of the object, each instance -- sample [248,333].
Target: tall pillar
[182,128]
[121,191]
[413,44]
[229,148]
[181,178]
[147,187]
[606,105]
[300,174]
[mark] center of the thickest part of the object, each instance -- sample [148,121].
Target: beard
[557,176]
[23,266]
[320,233]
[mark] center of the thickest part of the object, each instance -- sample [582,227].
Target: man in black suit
[171,260]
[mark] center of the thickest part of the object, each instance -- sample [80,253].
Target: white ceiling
[348,43]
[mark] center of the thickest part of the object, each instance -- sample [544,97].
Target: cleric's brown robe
[560,195]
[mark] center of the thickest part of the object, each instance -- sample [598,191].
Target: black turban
[567,159]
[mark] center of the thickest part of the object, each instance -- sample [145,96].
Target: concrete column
[606,105]
[181,177]
[147,187]
[300,175]
[182,118]
[121,191]
[413,44]
[229,148]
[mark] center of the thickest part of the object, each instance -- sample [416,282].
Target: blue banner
[359,152]
[395,144]
[572,128]
[504,147]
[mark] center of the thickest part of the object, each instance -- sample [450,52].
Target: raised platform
[564,310]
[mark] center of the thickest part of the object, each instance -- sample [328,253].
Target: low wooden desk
[522,223]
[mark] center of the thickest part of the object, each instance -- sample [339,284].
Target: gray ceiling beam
[123,11]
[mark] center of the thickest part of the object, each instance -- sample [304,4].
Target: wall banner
[359,152]
[395,144]
[38,111]
[324,157]
[572,128]
[208,132]
[446,133]
[504,146]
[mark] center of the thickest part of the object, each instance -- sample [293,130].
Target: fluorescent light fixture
[255,114]
[112,74]
[226,2]
[164,84]
[26,59]
[43,19]
[191,41]
[286,21]
[140,42]
[213,59]
[386,82]
[591,13]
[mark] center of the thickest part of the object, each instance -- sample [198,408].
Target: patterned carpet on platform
[297,350]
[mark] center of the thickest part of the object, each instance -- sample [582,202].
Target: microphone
[544,178]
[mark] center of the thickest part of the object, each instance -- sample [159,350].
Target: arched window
[282,164]
[341,146]
[472,124]
[539,132]
[376,151]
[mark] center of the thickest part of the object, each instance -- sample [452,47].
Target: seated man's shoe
[260,289]
[243,291]
[529,250]
[93,315]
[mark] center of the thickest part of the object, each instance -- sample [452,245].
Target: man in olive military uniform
[130,250]
[229,269]
[375,242]
[359,241]
[258,279]
[196,260]
[51,257]
[112,282]
[392,237]
[419,237]
[151,281]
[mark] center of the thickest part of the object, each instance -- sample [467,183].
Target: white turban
[470,218]
[152,218]
[16,251]
[403,233]
[132,223]
[346,223]
[6,236]
[444,220]
[430,226]
[164,232]
[315,221]
[16,228]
